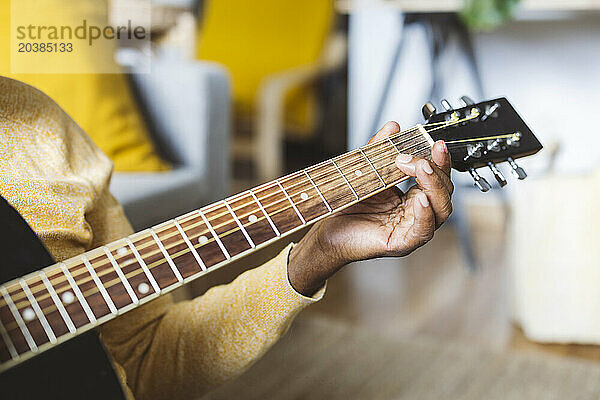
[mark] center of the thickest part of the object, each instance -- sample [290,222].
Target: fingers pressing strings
[432,184]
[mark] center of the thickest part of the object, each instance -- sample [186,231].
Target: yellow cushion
[258,38]
[102,104]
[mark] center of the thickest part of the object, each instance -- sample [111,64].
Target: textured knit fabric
[57,179]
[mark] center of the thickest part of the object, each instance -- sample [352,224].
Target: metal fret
[99,285]
[291,202]
[343,176]
[144,266]
[38,311]
[82,300]
[318,191]
[9,344]
[20,322]
[212,231]
[59,306]
[265,213]
[394,145]
[124,280]
[167,256]
[372,166]
[239,224]
[190,246]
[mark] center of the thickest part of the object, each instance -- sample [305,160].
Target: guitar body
[77,369]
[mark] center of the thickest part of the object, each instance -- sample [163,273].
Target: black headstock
[481,135]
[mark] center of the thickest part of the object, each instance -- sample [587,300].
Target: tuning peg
[517,171]
[497,174]
[446,104]
[466,101]
[491,110]
[480,182]
[428,111]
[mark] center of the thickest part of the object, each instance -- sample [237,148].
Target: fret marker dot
[121,251]
[358,172]
[202,240]
[143,288]
[252,218]
[304,196]
[67,297]
[127,262]
[28,314]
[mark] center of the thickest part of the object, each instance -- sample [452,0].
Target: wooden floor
[313,361]
[432,293]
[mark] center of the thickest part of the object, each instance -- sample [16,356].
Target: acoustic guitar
[48,309]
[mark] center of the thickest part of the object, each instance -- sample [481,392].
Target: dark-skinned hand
[389,224]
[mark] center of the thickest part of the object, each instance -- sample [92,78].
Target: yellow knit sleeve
[57,179]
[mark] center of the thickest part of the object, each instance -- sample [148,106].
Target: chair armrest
[270,103]
[332,57]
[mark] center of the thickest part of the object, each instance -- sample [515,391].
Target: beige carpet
[321,359]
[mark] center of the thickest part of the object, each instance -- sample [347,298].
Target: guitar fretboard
[51,305]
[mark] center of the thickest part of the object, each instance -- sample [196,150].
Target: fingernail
[390,126]
[442,145]
[423,200]
[403,158]
[427,168]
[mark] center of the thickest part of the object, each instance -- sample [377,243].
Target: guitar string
[47,310]
[214,206]
[367,146]
[333,172]
[13,326]
[133,273]
[467,140]
[330,172]
[108,266]
[464,142]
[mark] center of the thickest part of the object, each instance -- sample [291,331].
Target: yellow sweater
[57,179]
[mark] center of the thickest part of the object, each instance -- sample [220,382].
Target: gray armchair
[187,105]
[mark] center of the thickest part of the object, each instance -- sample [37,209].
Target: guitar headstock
[482,135]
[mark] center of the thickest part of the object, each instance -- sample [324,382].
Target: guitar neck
[49,306]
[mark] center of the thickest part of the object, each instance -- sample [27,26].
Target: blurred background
[242,92]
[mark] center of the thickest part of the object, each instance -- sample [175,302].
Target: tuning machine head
[428,111]
[446,104]
[497,174]
[479,181]
[517,171]
[466,101]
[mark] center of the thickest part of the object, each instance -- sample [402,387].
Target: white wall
[550,70]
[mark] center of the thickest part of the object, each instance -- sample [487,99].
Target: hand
[389,224]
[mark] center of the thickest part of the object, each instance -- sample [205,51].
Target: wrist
[311,262]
